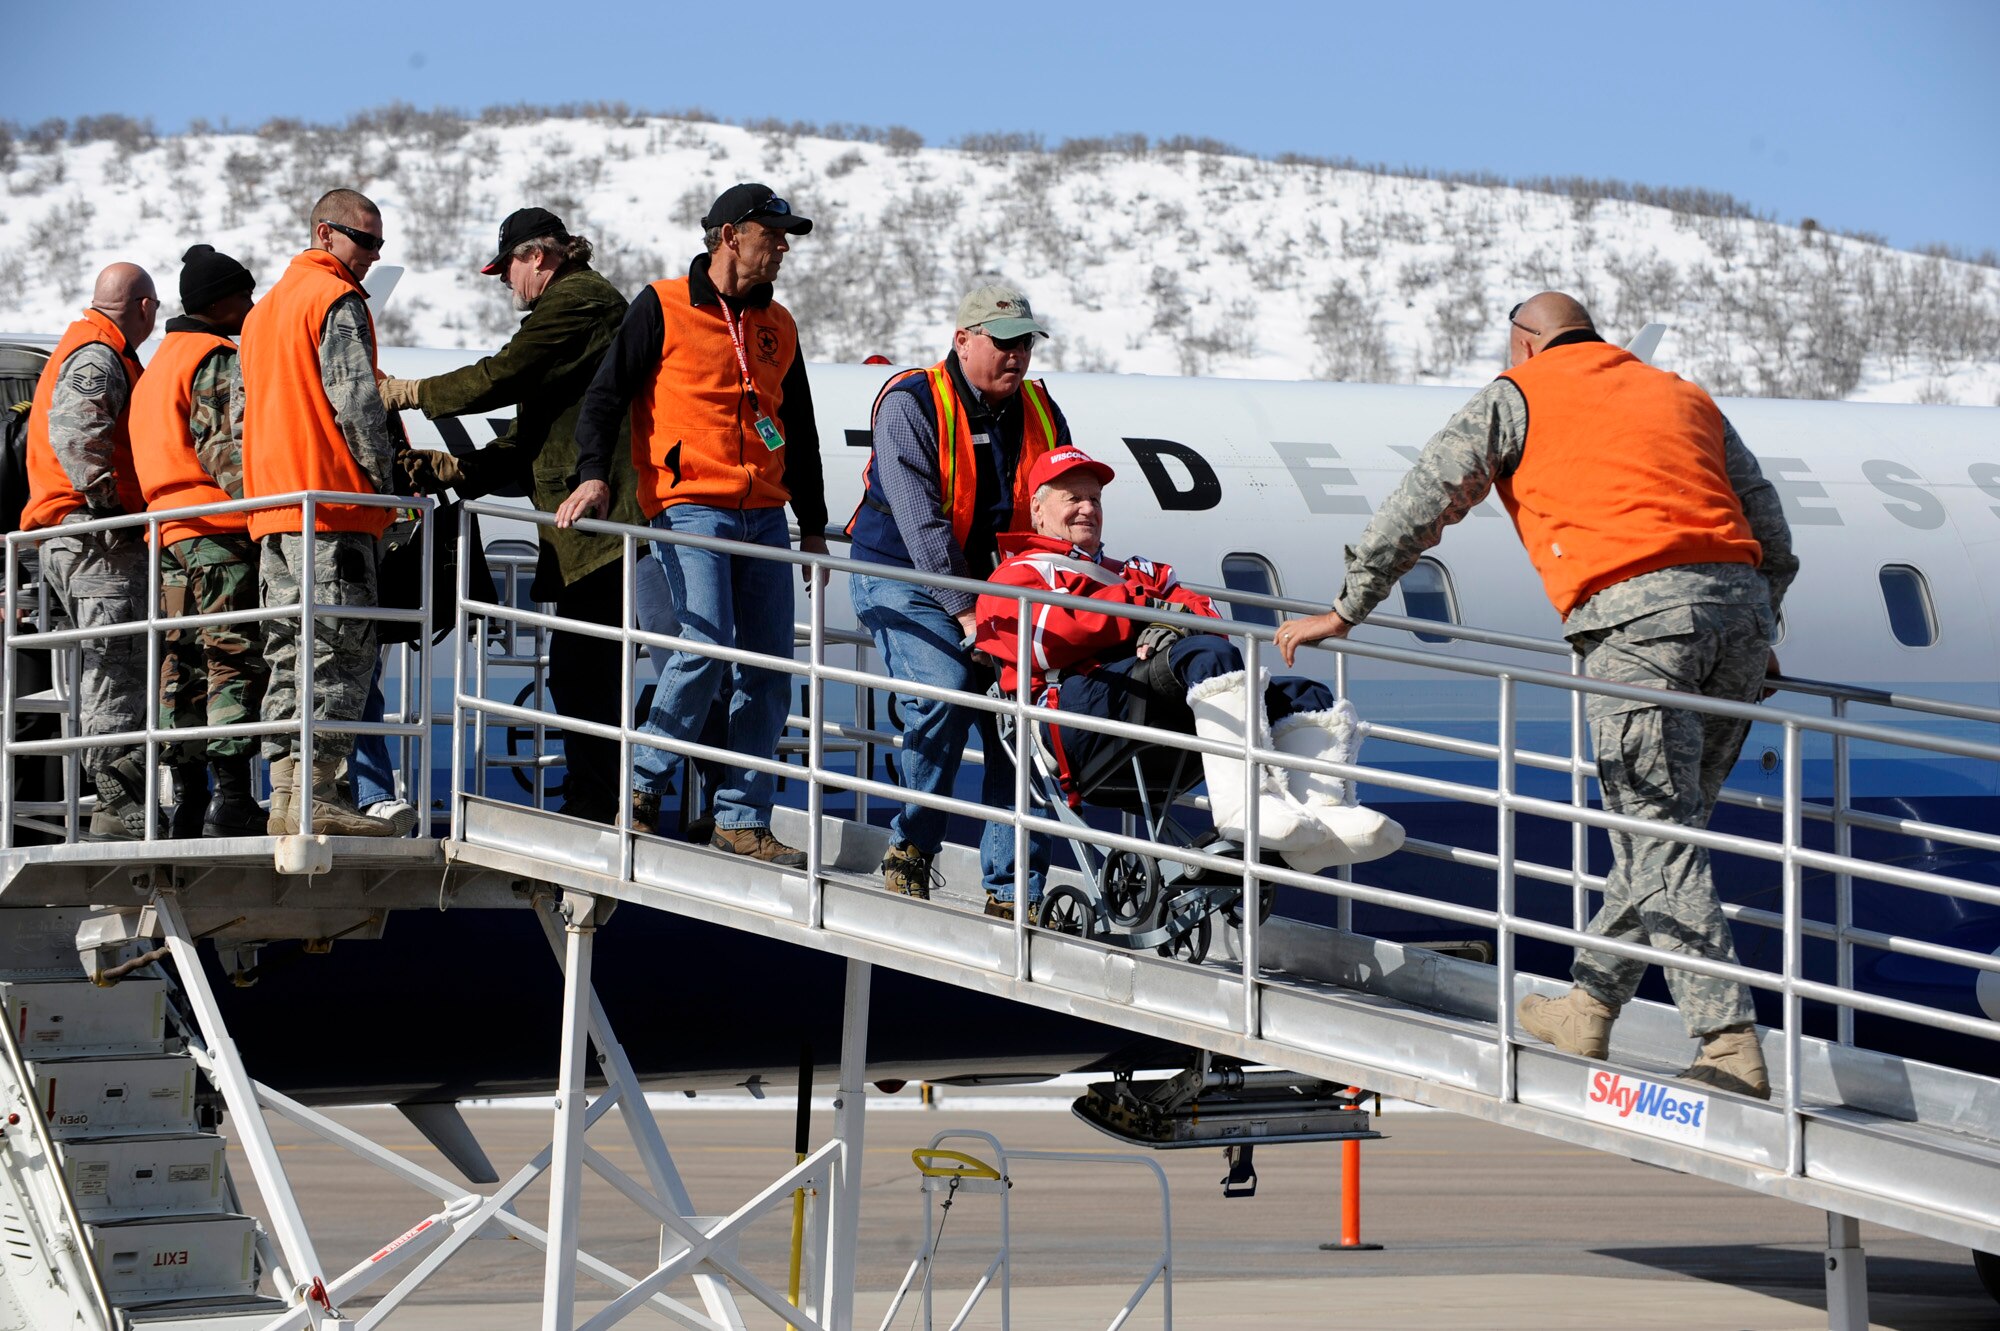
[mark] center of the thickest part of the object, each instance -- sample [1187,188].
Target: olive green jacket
[543,372]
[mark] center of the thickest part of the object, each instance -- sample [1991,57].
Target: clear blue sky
[1883,116]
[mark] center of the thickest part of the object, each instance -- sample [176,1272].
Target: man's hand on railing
[812,545]
[1297,633]
[592,499]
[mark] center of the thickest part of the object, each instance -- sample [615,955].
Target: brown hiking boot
[907,870]
[1004,910]
[333,814]
[645,811]
[1731,1060]
[284,815]
[1576,1023]
[758,844]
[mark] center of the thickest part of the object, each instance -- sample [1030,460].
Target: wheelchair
[1129,899]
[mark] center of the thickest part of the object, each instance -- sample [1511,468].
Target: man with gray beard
[573,313]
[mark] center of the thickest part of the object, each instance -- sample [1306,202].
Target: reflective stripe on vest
[51,495]
[1622,473]
[163,453]
[958,475]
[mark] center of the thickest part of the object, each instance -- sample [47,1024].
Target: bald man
[80,468]
[313,419]
[1666,552]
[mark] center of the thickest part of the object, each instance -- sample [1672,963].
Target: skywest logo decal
[1646,1106]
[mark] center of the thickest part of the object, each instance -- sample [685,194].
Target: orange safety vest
[163,449]
[291,438]
[694,433]
[51,496]
[958,483]
[1622,473]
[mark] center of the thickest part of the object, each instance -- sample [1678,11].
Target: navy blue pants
[1111,690]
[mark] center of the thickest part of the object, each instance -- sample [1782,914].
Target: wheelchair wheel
[1191,943]
[1066,910]
[1129,886]
[1232,914]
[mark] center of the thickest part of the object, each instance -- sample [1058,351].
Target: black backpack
[20,368]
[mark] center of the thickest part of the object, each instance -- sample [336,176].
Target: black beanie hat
[207,276]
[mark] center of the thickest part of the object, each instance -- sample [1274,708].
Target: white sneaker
[401,815]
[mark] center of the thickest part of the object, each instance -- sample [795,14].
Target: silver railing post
[1793,953]
[151,708]
[419,750]
[1253,883]
[627,617]
[1024,753]
[477,641]
[462,715]
[1843,882]
[1503,846]
[9,675]
[308,647]
[1579,797]
[815,744]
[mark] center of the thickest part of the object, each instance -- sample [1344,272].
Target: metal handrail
[1792,856]
[152,734]
[17,1068]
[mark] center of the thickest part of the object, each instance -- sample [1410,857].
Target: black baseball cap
[524,224]
[755,203]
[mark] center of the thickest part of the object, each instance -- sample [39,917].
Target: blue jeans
[731,601]
[374,776]
[920,642]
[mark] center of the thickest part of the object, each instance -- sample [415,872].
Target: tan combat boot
[1576,1023]
[284,817]
[1732,1060]
[332,813]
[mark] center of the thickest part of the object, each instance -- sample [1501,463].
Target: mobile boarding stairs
[117,1209]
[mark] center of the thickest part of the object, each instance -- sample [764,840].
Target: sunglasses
[367,240]
[771,207]
[1009,343]
[1518,324]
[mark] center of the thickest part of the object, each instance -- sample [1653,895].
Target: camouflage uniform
[213,676]
[99,576]
[1703,628]
[344,563]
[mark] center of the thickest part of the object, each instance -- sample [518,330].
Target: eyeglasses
[1009,343]
[367,240]
[774,206]
[1531,332]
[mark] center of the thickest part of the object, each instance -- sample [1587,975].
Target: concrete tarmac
[1480,1227]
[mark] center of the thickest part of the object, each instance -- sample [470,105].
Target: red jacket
[1066,639]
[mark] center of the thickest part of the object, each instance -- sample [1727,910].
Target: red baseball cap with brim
[1061,462]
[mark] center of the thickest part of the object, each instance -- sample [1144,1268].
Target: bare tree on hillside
[1346,325]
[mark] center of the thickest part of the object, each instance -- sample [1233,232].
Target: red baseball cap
[1060,462]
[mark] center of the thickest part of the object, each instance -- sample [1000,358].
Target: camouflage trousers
[100,579]
[1668,764]
[211,676]
[343,662]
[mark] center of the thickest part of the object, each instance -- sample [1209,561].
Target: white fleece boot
[1283,824]
[1356,834]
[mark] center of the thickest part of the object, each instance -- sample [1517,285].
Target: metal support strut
[565,1171]
[850,1107]
[1846,1275]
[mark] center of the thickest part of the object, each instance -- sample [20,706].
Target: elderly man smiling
[1100,664]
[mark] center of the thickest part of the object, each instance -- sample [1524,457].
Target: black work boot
[190,800]
[234,810]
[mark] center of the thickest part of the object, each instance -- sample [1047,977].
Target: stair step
[132,1178]
[69,1018]
[204,1257]
[148,1094]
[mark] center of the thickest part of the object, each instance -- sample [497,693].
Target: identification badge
[767,430]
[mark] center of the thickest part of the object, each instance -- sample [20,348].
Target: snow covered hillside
[1144,258]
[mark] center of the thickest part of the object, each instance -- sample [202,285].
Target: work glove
[429,471]
[398,394]
[1156,639]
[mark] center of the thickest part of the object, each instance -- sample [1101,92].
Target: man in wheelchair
[1167,676]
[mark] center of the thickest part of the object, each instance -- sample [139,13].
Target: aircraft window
[1427,594]
[1254,574]
[1912,616]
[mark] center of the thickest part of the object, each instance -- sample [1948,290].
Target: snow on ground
[1142,260]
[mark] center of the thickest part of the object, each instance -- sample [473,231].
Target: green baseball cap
[999,312]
